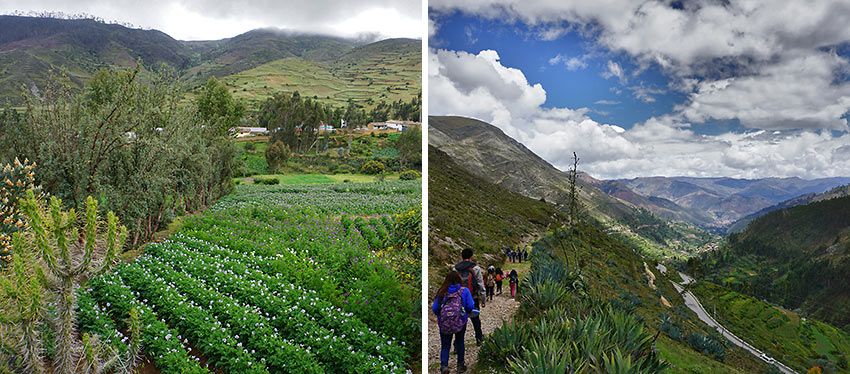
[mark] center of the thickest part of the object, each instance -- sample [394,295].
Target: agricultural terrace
[277,279]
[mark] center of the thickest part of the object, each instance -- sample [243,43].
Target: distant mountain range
[707,202]
[255,64]
[726,200]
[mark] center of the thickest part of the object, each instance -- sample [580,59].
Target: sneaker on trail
[444,370]
[461,369]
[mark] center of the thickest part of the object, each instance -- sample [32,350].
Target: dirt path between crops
[501,309]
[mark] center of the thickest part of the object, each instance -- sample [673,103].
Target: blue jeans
[445,344]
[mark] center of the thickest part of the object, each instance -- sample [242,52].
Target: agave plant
[506,342]
[549,355]
[50,260]
[541,296]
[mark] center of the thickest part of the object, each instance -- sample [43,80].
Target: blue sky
[704,88]
[582,85]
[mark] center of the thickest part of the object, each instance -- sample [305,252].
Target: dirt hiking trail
[502,308]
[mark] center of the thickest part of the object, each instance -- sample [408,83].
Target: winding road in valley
[693,303]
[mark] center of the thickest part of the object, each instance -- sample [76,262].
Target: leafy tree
[354,116]
[11,133]
[407,111]
[381,112]
[276,155]
[217,109]
[295,120]
[217,112]
[50,261]
[409,145]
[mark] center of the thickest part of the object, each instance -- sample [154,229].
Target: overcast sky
[218,19]
[739,88]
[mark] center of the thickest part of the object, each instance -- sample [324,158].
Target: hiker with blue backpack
[452,306]
[473,279]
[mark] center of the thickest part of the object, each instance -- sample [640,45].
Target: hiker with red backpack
[452,307]
[472,278]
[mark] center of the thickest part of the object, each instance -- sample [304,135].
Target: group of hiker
[516,255]
[464,292]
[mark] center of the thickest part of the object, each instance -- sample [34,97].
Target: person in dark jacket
[499,277]
[513,279]
[452,284]
[525,254]
[473,278]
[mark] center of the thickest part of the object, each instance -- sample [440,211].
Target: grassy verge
[685,360]
[796,341]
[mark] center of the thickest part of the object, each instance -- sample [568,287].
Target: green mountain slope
[487,152]
[794,340]
[742,223]
[465,210]
[798,257]
[31,46]
[257,47]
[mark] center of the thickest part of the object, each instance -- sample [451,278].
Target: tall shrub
[127,141]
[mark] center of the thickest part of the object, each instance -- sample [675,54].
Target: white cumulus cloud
[479,86]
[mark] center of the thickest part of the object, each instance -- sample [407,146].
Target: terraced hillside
[255,64]
[388,70]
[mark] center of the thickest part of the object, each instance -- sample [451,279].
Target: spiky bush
[565,329]
[541,296]
[549,356]
[506,342]
[50,260]
[708,344]
[669,326]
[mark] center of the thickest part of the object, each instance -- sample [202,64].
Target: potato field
[276,279]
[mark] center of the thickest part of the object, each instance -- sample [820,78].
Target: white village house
[250,131]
